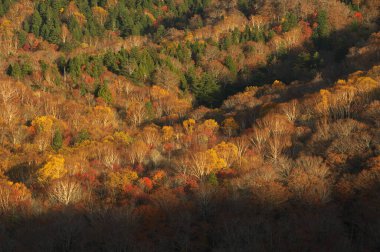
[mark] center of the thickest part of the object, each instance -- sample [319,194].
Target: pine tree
[104,93]
[206,89]
[290,22]
[322,32]
[57,140]
[229,62]
[14,70]
[36,23]
[74,28]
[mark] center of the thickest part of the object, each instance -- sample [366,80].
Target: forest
[189,125]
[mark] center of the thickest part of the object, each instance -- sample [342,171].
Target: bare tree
[65,191]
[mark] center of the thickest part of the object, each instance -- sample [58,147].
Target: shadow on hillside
[308,68]
[214,221]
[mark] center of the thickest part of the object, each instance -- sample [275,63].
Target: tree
[14,70]
[104,116]
[110,156]
[12,196]
[242,145]
[43,127]
[65,191]
[136,112]
[167,133]
[100,14]
[117,181]
[137,152]
[57,140]
[104,93]
[189,125]
[231,65]
[151,135]
[309,180]
[206,162]
[36,23]
[7,35]
[291,110]
[53,169]
[65,33]
[229,126]
[208,127]
[75,29]
[322,30]
[206,89]
[228,152]
[9,110]
[290,21]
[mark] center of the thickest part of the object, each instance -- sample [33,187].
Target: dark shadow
[219,222]
[21,173]
[308,68]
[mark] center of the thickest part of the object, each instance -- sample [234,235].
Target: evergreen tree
[75,29]
[213,179]
[36,23]
[229,62]
[22,37]
[206,89]
[104,93]
[57,140]
[290,22]
[14,70]
[322,31]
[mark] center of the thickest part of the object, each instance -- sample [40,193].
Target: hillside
[189,125]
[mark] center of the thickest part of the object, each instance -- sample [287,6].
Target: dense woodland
[189,125]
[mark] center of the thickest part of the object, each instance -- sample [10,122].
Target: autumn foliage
[189,125]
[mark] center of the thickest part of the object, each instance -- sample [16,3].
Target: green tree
[231,65]
[104,93]
[36,23]
[213,179]
[57,140]
[206,89]
[290,22]
[74,28]
[14,70]
[22,37]
[322,31]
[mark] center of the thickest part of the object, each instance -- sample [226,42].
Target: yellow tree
[104,116]
[324,105]
[188,125]
[228,152]
[123,137]
[100,14]
[6,34]
[138,151]
[208,127]
[167,133]
[116,181]
[43,126]
[53,169]
[158,96]
[367,87]
[205,162]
